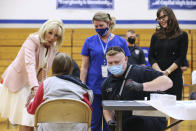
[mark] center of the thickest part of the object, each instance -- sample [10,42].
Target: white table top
[181,110]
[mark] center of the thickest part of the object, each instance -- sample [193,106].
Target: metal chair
[63,111]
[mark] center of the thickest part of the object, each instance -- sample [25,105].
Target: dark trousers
[144,123]
[97,115]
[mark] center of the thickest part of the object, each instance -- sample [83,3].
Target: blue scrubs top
[93,48]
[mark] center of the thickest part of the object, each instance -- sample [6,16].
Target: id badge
[104,71]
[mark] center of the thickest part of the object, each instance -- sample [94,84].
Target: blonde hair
[49,25]
[101,16]
[62,64]
[111,51]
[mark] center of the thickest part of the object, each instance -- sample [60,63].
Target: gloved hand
[112,125]
[132,85]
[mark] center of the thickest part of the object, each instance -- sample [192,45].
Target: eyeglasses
[161,17]
[115,48]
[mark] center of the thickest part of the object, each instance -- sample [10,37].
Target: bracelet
[111,123]
[32,92]
[168,71]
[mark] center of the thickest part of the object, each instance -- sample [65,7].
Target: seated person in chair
[61,85]
[132,82]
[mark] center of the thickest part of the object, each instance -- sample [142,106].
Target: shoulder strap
[122,86]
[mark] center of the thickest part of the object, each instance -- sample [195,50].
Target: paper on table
[182,110]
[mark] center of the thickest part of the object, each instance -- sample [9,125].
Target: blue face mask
[116,69]
[102,32]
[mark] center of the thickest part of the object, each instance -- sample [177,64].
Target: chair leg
[8,124]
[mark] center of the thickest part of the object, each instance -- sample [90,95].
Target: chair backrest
[63,111]
[192,91]
[194,77]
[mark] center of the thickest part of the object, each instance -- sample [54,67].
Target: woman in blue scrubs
[94,69]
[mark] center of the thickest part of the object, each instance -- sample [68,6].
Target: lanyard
[122,86]
[104,49]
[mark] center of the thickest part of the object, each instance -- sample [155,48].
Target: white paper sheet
[181,110]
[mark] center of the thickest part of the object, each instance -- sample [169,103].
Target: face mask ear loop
[108,24]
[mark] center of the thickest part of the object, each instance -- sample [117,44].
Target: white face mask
[116,69]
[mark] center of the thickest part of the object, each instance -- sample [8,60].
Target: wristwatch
[112,123]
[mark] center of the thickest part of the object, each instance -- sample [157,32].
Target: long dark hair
[62,65]
[173,29]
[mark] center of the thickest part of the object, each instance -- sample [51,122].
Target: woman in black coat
[168,49]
